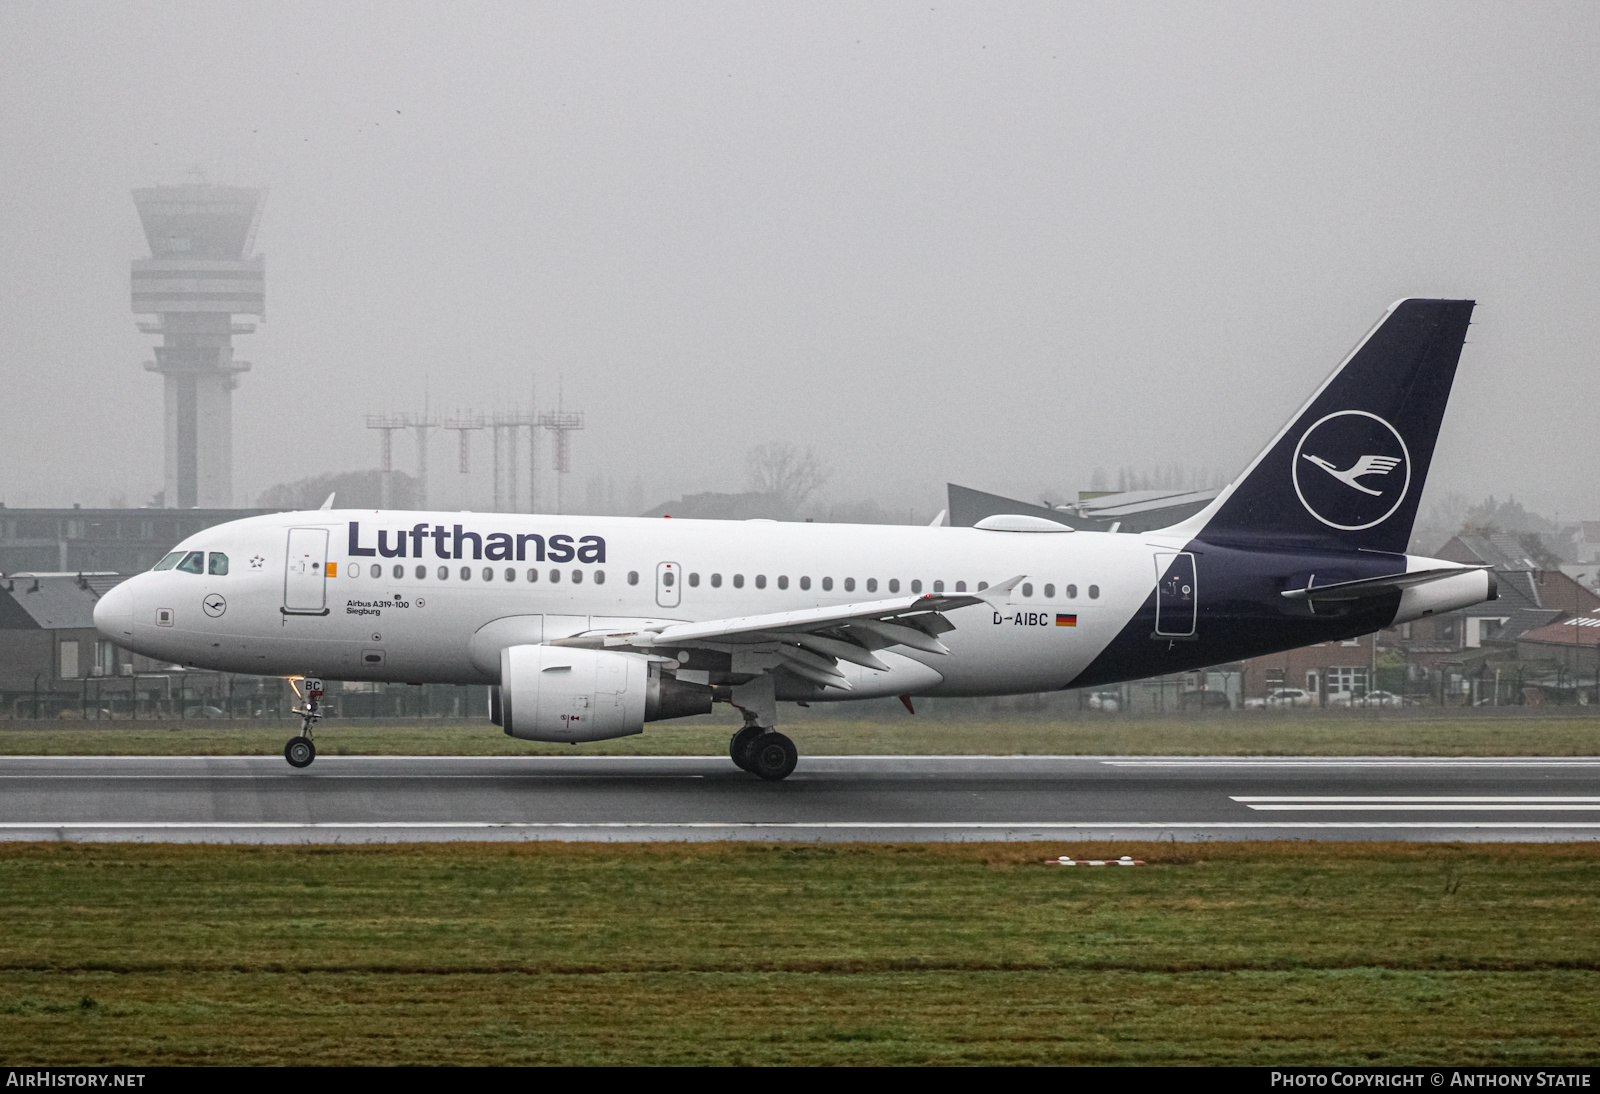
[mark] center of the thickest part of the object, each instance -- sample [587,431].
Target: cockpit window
[219,564]
[193,563]
[169,562]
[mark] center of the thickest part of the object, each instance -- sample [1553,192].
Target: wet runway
[878,798]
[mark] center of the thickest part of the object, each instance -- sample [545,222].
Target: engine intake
[560,693]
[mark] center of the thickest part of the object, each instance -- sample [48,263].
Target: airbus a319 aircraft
[586,628]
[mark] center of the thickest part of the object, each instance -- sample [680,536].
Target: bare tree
[786,472]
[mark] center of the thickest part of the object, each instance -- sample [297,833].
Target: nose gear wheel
[299,751]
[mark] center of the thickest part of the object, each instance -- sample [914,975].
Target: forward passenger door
[305,572]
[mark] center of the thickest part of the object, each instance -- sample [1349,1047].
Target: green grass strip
[662,953]
[1216,734]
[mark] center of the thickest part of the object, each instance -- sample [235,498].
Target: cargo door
[305,572]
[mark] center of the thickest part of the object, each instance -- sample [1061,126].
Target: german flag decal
[1066,620]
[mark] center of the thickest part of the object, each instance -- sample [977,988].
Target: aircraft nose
[113,613]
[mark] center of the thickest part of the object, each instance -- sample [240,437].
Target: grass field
[1218,734]
[680,953]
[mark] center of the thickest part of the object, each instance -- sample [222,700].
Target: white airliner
[586,628]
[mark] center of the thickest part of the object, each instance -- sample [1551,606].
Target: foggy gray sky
[1002,244]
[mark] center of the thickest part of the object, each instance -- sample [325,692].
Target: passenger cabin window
[694,581]
[894,584]
[961,586]
[783,581]
[511,575]
[422,572]
[599,577]
[668,579]
[399,572]
[1027,588]
[827,585]
[716,581]
[377,571]
[872,584]
[916,584]
[555,577]
[444,573]
[805,583]
[738,581]
[195,563]
[577,577]
[169,561]
[466,573]
[1049,592]
[633,577]
[938,586]
[218,564]
[1094,592]
[533,577]
[849,584]
[1072,592]
[488,573]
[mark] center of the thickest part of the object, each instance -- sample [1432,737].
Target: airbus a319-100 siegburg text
[587,628]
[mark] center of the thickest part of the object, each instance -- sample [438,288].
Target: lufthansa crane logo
[214,605]
[1351,470]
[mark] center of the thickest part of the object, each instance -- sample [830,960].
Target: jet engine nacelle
[553,693]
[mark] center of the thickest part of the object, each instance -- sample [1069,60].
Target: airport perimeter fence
[194,696]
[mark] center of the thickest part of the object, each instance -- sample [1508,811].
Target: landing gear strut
[300,751]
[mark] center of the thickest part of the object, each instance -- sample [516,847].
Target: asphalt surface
[876,798]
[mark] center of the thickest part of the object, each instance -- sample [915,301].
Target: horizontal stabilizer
[1378,586]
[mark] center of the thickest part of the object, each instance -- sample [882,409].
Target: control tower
[200,275]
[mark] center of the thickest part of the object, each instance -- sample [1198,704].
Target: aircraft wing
[810,643]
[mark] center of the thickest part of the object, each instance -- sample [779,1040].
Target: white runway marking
[770,825]
[1417,804]
[319,775]
[1410,798]
[1351,763]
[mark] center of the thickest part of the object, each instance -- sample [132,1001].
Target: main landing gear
[762,750]
[301,750]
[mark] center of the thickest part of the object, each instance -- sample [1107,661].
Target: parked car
[1195,697]
[1108,701]
[1282,697]
[1369,699]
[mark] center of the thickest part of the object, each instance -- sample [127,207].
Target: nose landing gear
[301,750]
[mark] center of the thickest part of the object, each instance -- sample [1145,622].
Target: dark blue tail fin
[1348,471]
